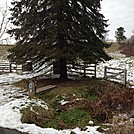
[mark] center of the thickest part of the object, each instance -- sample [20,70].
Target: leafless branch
[3,22]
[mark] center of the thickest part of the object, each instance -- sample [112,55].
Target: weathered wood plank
[120,74]
[45,88]
[4,67]
[42,89]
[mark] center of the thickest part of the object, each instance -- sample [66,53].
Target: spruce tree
[63,31]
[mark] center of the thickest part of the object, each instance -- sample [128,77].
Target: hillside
[4,51]
[114,51]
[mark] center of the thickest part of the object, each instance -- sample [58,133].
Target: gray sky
[119,13]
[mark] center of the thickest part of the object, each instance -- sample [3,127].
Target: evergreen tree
[58,31]
[119,35]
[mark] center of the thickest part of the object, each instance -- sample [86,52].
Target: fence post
[32,87]
[125,76]
[84,70]
[27,66]
[10,67]
[105,72]
[95,70]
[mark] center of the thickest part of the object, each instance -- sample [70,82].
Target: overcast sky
[118,12]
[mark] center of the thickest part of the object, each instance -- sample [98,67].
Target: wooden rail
[10,67]
[116,74]
[85,70]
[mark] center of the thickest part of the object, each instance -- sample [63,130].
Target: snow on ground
[123,63]
[10,106]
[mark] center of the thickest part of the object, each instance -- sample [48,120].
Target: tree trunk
[63,69]
[56,67]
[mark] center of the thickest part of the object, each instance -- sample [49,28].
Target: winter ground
[12,100]
[123,63]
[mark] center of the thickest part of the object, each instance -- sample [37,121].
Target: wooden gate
[82,70]
[116,74]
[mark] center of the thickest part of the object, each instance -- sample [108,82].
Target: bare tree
[4,23]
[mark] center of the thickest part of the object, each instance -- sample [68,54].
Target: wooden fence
[10,67]
[47,69]
[116,74]
[82,70]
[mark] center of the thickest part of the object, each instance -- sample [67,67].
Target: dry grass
[37,115]
[113,48]
[120,129]
[4,51]
[121,125]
